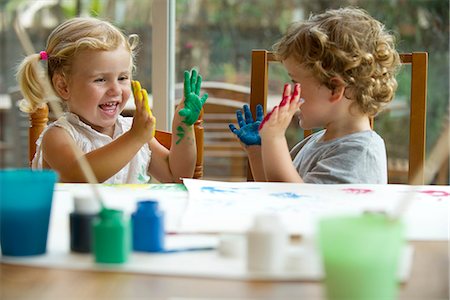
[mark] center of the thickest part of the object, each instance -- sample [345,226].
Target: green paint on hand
[180,134]
[192,102]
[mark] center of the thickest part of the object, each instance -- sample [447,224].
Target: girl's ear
[337,89]
[61,87]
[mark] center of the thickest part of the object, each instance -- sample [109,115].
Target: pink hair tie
[44,55]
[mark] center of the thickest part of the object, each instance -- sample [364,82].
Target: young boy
[343,63]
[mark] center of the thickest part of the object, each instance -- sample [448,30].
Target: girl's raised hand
[192,104]
[277,121]
[144,123]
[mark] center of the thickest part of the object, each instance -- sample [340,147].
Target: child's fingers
[296,95]
[274,115]
[136,85]
[144,95]
[248,114]
[187,83]
[184,112]
[198,85]
[203,99]
[240,119]
[284,101]
[194,75]
[153,125]
[286,94]
[259,112]
[266,118]
[233,129]
[300,102]
[137,101]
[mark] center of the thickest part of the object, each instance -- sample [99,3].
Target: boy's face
[317,110]
[100,86]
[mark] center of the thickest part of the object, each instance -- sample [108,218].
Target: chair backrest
[417,126]
[39,119]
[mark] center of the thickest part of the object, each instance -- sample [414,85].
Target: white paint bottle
[267,241]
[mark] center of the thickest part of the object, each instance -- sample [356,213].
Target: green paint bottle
[111,237]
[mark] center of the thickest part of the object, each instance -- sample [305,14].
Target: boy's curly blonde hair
[63,44]
[350,44]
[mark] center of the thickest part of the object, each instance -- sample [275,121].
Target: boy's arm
[250,139]
[275,152]
[256,162]
[277,161]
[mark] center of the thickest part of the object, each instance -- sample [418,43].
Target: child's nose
[114,89]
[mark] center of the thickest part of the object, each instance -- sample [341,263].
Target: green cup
[361,256]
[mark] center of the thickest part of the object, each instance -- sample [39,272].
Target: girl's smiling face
[315,111]
[99,86]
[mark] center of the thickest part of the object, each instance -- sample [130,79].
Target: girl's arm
[179,162]
[59,155]
[275,152]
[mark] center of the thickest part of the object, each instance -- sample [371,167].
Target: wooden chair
[417,126]
[39,119]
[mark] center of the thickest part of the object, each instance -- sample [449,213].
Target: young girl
[89,65]
[343,64]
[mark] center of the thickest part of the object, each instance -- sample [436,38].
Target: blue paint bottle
[148,227]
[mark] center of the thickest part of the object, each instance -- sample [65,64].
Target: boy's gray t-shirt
[355,158]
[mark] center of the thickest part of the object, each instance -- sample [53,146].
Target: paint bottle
[112,237]
[148,227]
[86,209]
[266,244]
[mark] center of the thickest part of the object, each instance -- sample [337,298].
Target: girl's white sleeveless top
[88,139]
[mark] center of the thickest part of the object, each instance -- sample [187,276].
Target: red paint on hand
[266,118]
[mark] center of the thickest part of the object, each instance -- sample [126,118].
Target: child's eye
[123,78]
[99,80]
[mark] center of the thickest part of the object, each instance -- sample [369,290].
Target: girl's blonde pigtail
[31,85]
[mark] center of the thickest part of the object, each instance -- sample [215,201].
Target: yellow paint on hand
[141,95]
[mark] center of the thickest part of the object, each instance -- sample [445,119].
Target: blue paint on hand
[248,132]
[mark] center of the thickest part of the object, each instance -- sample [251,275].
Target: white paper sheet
[216,206]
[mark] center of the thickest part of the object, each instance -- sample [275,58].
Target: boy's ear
[337,89]
[61,87]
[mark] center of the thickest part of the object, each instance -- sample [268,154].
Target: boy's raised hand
[248,129]
[192,102]
[142,106]
[276,122]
